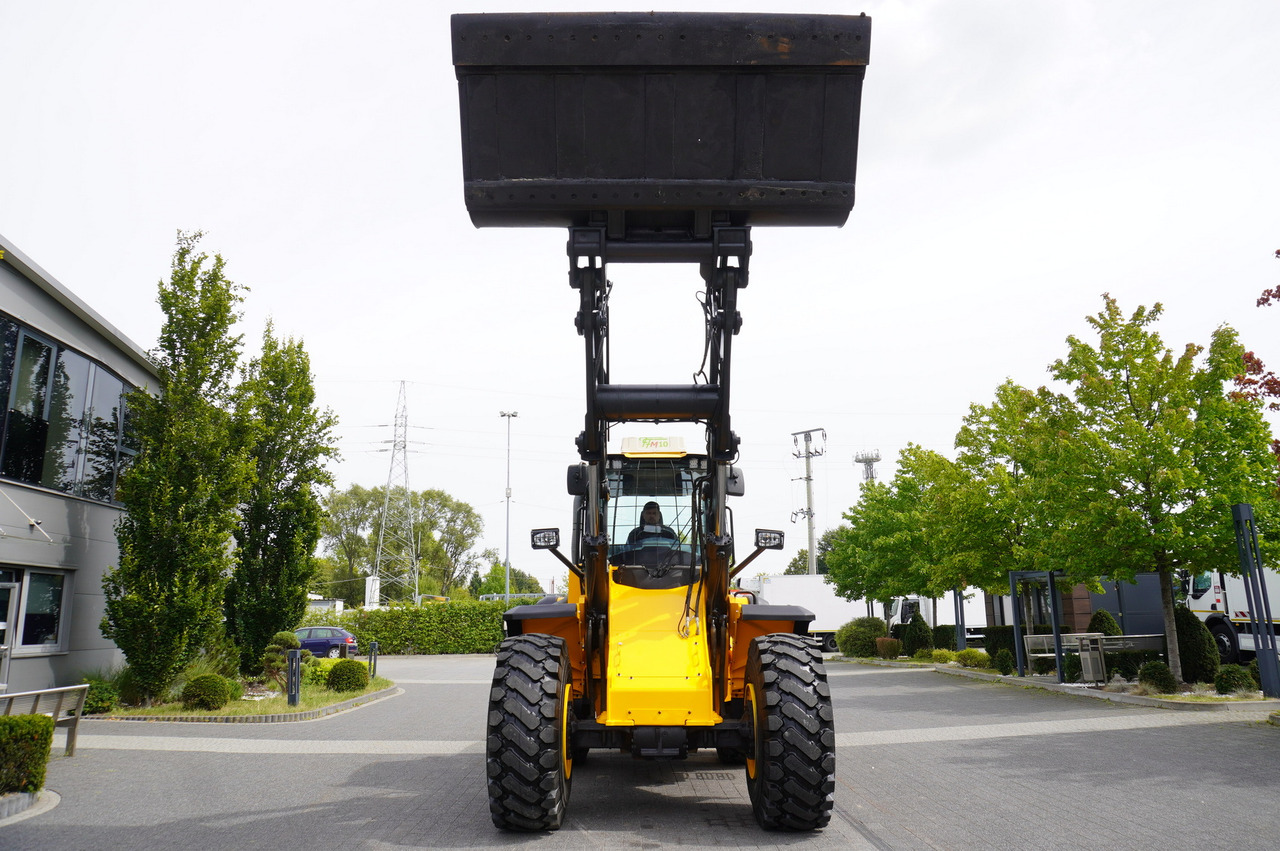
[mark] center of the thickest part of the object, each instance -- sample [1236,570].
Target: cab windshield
[650,520]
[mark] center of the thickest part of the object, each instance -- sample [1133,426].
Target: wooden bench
[64,705]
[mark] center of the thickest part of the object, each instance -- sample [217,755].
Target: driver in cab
[651,526]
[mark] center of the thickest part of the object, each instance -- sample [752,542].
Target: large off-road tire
[791,765]
[528,756]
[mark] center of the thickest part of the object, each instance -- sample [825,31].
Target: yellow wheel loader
[658,138]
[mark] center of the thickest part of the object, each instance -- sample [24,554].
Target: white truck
[1219,600]
[814,593]
[942,611]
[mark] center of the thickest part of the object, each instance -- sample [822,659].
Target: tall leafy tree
[799,565]
[886,550]
[347,520]
[1145,454]
[182,490]
[280,523]
[494,581]
[455,527]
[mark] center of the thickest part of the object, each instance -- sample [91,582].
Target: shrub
[1157,676]
[924,654]
[944,636]
[1255,673]
[1071,667]
[858,636]
[1103,622]
[129,688]
[942,656]
[102,697]
[1196,647]
[919,636]
[286,640]
[1004,661]
[997,638]
[348,675]
[972,657]
[207,691]
[1233,678]
[25,743]
[888,648]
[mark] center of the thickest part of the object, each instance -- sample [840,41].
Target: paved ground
[925,761]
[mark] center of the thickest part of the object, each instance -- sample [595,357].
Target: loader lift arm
[722,252]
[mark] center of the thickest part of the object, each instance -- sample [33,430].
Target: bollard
[293,675]
[373,659]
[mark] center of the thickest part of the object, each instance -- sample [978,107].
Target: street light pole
[508,415]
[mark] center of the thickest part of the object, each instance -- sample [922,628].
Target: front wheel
[1228,645]
[791,763]
[528,756]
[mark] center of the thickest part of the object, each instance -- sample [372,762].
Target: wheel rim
[749,712]
[566,745]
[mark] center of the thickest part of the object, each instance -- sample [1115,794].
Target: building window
[65,423]
[36,615]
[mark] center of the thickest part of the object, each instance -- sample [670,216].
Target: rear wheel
[528,758]
[787,706]
[334,652]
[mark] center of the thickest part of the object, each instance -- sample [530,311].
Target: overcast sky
[1017,160]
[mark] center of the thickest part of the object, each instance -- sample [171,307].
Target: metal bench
[1041,646]
[64,705]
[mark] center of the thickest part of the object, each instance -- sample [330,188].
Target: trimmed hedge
[348,675]
[944,636]
[1103,622]
[207,691]
[858,637]
[918,636]
[1157,677]
[459,626]
[1196,648]
[25,743]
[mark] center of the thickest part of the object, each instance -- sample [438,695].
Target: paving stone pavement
[925,761]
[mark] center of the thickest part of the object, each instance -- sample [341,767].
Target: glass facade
[64,421]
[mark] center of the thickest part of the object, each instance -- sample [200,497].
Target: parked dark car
[326,641]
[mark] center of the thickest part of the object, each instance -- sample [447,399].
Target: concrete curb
[277,718]
[18,806]
[1080,691]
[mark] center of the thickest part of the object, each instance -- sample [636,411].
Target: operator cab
[649,514]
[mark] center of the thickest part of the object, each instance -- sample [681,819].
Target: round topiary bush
[1004,661]
[858,637]
[972,657]
[348,675]
[1157,677]
[207,691]
[1103,622]
[1196,647]
[918,636]
[1233,678]
[286,640]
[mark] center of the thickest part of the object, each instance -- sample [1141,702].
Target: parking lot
[925,761]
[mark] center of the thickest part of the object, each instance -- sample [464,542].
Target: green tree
[494,581]
[799,565]
[182,490]
[886,551]
[280,523]
[347,520]
[455,527]
[1141,460]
